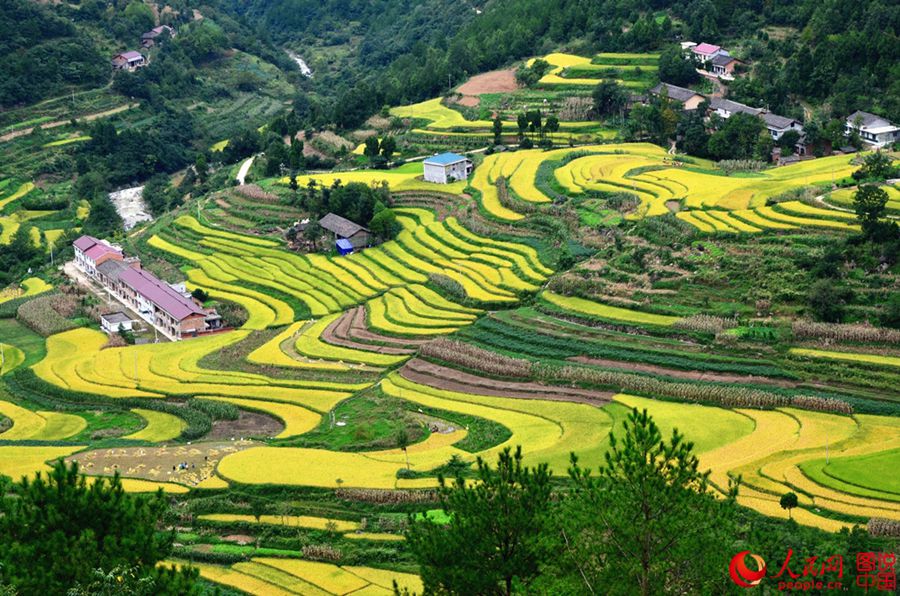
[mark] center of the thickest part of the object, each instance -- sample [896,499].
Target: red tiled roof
[85,242]
[160,293]
[100,249]
[705,48]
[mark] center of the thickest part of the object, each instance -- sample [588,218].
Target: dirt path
[435,375]
[245,167]
[57,123]
[688,375]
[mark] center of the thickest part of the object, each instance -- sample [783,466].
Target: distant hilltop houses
[132,60]
[717,61]
[873,130]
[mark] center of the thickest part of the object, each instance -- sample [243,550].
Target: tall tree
[645,520]
[490,545]
[870,203]
[609,98]
[56,529]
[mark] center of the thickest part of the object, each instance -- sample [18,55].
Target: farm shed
[115,321]
[446,168]
[343,228]
[344,246]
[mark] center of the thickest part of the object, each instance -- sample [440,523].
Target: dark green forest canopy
[801,48]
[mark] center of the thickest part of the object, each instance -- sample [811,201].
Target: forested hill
[843,53]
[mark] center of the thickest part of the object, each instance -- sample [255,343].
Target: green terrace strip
[506,338]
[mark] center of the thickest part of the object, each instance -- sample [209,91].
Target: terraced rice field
[324,334]
[844,197]
[637,71]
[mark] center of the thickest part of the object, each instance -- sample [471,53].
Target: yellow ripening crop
[733,222]
[605,311]
[297,420]
[796,207]
[310,345]
[17,462]
[848,356]
[293,521]
[438,302]
[239,581]
[12,357]
[326,576]
[771,213]
[25,425]
[188,222]
[262,310]
[752,217]
[160,426]
[389,313]
[279,579]
[272,353]
[385,579]
[707,427]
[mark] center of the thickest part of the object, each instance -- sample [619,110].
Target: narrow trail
[57,123]
[245,168]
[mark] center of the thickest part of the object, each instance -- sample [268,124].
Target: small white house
[446,168]
[115,321]
[873,129]
[778,125]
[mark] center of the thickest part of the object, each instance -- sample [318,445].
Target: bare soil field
[495,81]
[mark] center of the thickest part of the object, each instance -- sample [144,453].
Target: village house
[778,125]
[725,108]
[446,168]
[148,39]
[689,100]
[128,61]
[90,253]
[171,309]
[343,229]
[873,130]
[116,321]
[705,52]
[723,65]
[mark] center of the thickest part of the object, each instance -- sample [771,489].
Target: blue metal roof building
[344,246]
[445,159]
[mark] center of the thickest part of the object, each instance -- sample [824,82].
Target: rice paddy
[322,333]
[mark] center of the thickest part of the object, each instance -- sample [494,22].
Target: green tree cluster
[58,529]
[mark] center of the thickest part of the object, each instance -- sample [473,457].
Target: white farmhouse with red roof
[90,252]
[174,313]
